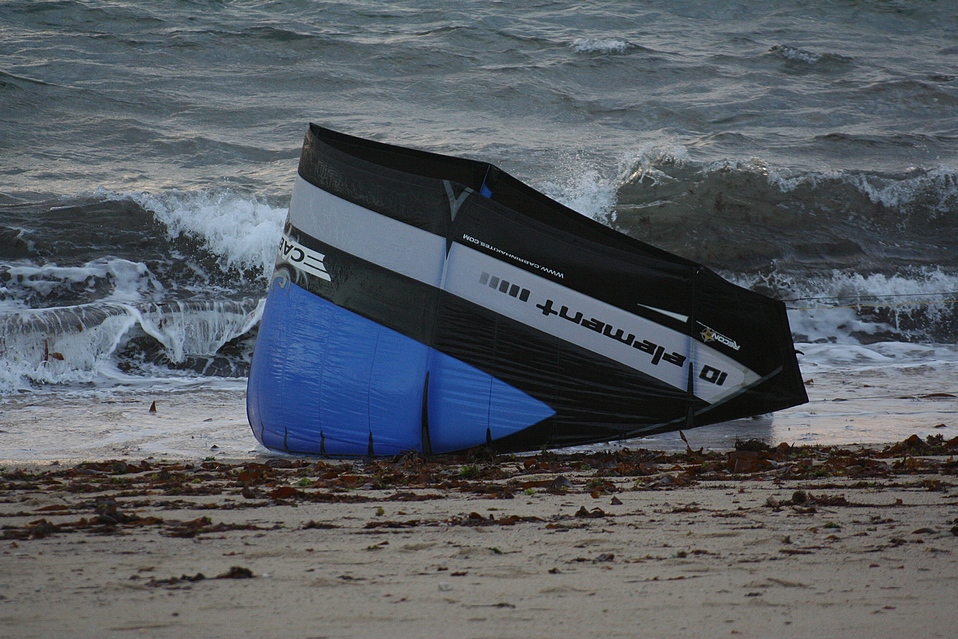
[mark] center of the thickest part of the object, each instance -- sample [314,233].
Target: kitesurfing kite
[429,303]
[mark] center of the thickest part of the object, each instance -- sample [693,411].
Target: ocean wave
[241,231]
[807,58]
[175,278]
[844,306]
[113,341]
[747,215]
[931,192]
[600,45]
[136,247]
[24,284]
[583,189]
[916,93]
[860,257]
[795,54]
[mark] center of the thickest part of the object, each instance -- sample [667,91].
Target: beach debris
[411,523]
[153,407]
[183,581]
[805,503]
[605,557]
[688,447]
[186,581]
[236,572]
[668,481]
[931,445]
[109,496]
[753,445]
[475,519]
[283,492]
[37,530]
[202,525]
[690,508]
[748,461]
[589,514]
[48,354]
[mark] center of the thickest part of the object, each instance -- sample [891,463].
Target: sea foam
[600,45]
[80,344]
[242,231]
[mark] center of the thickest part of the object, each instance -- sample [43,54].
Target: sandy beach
[754,542]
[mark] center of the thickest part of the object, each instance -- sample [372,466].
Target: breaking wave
[600,45]
[857,256]
[240,230]
[120,342]
[179,295]
[749,216]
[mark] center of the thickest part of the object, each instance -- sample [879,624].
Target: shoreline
[755,542]
[847,406]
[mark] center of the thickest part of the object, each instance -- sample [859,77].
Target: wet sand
[754,542]
[848,405]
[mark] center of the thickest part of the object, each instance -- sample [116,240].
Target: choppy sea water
[147,152]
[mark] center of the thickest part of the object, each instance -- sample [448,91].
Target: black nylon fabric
[410,197]
[623,278]
[590,394]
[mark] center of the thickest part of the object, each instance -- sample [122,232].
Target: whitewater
[147,155]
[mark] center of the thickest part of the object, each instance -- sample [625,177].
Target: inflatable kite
[430,303]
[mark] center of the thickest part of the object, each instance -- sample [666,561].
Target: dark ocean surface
[808,150]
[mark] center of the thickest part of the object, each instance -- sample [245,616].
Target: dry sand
[787,542]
